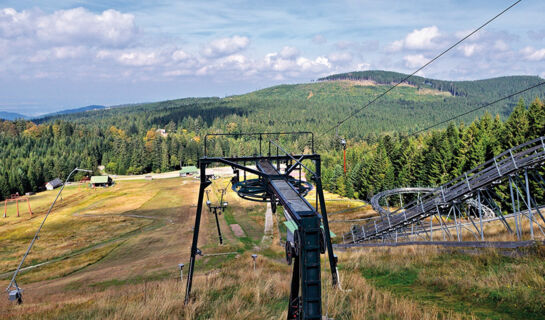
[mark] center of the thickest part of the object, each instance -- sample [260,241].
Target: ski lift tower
[275,184]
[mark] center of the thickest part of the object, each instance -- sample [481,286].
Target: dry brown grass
[236,292]
[136,278]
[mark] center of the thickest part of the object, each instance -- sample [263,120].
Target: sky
[58,55]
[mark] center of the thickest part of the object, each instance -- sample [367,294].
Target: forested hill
[127,141]
[484,88]
[319,105]
[11,115]
[45,117]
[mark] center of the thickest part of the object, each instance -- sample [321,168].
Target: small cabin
[53,184]
[162,132]
[101,181]
[188,171]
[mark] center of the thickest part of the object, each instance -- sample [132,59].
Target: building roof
[55,182]
[100,179]
[189,169]
[291,226]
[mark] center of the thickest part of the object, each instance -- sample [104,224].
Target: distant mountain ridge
[92,107]
[318,105]
[6,115]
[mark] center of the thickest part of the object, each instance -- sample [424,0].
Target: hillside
[125,139]
[483,88]
[70,111]
[319,105]
[113,254]
[11,115]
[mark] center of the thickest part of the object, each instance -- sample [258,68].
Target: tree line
[125,139]
[429,159]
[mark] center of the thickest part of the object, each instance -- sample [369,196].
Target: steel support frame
[305,297]
[203,185]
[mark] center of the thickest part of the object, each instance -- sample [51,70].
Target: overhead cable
[421,68]
[478,108]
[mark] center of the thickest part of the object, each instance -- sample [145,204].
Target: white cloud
[396,45]
[58,53]
[463,33]
[135,58]
[225,46]
[13,23]
[317,65]
[289,52]
[501,45]
[180,55]
[363,66]
[341,57]
[132,57]
[284,64]
[177,73]
[419,39]
[533,54]
[422,39]
[69,27]
[469,49]
[275,62]
[415,60]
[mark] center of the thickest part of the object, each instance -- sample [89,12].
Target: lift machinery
[276,185]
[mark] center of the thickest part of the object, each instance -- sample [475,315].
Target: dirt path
[237,230]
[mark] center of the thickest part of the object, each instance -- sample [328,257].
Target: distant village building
[55,183]
[188,171]
[101,181]
[162,132]
[85,179]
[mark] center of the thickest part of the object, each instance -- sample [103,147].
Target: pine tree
[536,119]
[165,158]
[516,127]
[4,187]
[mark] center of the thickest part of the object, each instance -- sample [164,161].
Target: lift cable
[13,283]
[419,69]
[472,110]
[478,108]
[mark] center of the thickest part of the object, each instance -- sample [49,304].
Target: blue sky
[64,54]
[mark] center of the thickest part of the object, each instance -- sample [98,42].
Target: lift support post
[306,296]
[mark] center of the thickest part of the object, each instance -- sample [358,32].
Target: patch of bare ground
[433,92]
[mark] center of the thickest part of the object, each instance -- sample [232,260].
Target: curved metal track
[375,200]
[509,165]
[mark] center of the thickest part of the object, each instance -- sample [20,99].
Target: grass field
[113,253]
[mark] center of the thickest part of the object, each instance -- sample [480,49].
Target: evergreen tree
[536,119]
[516,127]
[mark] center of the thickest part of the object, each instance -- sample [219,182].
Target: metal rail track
[506,166]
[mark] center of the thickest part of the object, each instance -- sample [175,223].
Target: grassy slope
[134,276]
